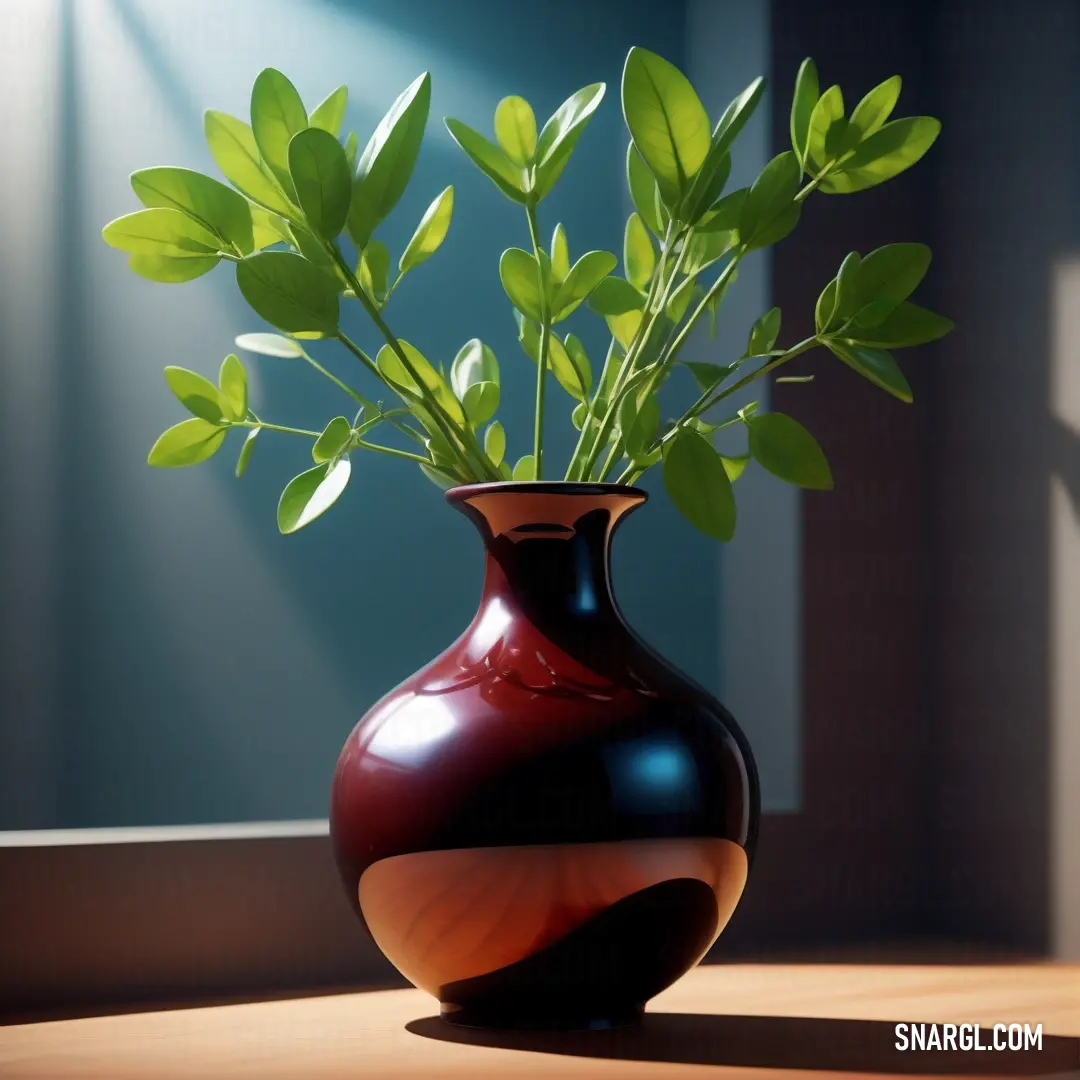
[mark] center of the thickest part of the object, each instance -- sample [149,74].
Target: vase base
[541,1020]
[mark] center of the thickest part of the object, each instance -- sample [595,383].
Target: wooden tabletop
[764,1021]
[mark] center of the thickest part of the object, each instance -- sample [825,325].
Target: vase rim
[544,487]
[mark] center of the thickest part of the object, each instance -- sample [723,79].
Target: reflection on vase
[446,917]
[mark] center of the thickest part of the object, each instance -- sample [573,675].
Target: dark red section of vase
[549,722]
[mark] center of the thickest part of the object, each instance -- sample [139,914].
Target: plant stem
[587,438]
[721,281]
[275,427]
[356,395]
[454,435]
[817,180]
[789,354]
[631,360]
[393,450]
[545,345]
[705,402]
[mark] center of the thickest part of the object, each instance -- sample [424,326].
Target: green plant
[300,221]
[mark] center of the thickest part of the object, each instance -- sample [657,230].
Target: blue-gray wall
[195,666]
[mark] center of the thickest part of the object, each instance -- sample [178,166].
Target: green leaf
[579,361]
[588,272]
[495,443]
[874,109]
[269,345]
[895,147]
[825,309]
[827,127]
[736,115]
[515,129]
[186,443]
[232,382]
[217,208]
[560,255]
[877,365]
[386,165]
[430,233]
[232,144]
[311,494]
[624,327]
[172,269]
[580,414]
[849,296]
[392,368]
[561,133]
[615,296]
[803,101]
[708,376]
[643,191]
[638,424]
[160,231]
[712,177]
[481,402]
[698,484]
[277,114]
[525,469]
[267,228]
[330,112]
[489,159]
[906,324]
[639,257]
[440,479]
[707,187]
[246,451]
[770,212]
[352,148]
[198,395]
[288,292]
[891,272]
[475,363]
[320,177]
[735,466]
[311,247]
[374,270]
[335,438]
[764,332]
[680,299]
[520,277]
[786,449]
[666,120]
[873,314]
[572,375]
[724,215]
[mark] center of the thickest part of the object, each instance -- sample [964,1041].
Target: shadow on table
[770,1042]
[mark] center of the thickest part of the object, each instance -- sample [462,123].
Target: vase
[548,824]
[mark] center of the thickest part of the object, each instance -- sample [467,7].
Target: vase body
[547,825]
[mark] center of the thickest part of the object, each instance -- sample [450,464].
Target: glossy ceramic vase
[547,825]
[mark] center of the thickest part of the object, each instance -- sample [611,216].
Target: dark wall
[855,861]
[1006,217]
[928,589]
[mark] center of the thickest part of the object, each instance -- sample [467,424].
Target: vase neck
[548,548]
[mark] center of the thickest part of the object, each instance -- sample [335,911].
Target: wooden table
[751,1020]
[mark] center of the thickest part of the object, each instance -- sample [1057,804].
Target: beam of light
[1064,580]
[29,50]
[162,566]
[317,45]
